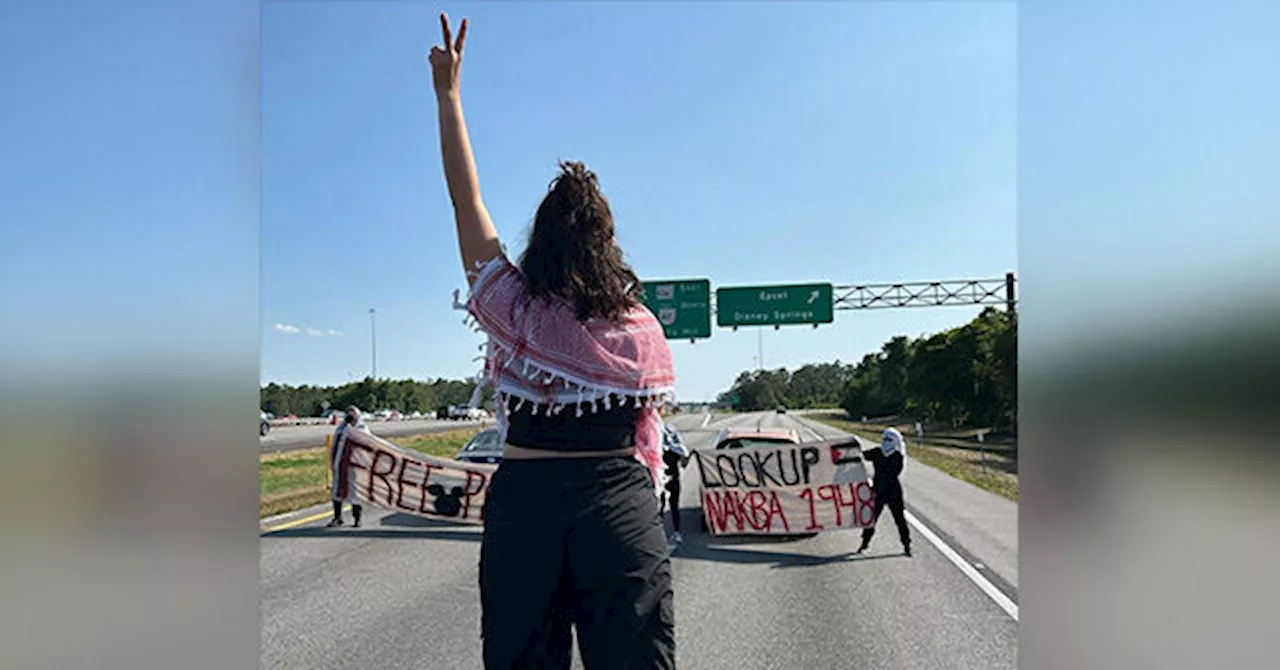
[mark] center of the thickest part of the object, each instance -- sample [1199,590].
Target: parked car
[737,438]
[485,447]
[782,410]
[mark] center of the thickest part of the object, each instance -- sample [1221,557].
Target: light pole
[373,339]
[760,348]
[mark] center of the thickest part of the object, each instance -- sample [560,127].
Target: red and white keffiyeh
[538,352]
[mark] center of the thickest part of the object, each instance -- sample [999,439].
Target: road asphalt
[402,592]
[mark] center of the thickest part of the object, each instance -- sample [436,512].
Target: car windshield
[485,441]
[753,442]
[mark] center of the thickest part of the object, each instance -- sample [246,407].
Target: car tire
[263,429]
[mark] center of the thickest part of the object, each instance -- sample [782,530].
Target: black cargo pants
[575,541]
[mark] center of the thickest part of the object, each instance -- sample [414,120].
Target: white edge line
[705,420]
[1001,600]
[1010,607]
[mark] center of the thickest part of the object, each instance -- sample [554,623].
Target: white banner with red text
[785,489]
[373,471]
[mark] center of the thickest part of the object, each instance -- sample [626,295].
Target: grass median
[293,480]
[992,466]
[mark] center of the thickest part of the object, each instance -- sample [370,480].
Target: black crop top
[601,430]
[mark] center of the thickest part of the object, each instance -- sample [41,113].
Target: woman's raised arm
[477,238]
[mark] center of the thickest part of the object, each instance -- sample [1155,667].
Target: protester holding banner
[572,531]
[676,457]
[337,455]
[888,459]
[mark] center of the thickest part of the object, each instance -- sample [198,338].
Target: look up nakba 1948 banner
[782,489]
[763,490]
[370,470]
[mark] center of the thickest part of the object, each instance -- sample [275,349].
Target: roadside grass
[950,452]
[440,445]
[294,480]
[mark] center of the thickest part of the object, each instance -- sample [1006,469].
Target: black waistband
[599,430]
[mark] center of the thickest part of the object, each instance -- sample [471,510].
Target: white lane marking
[705,420]
[1003,601]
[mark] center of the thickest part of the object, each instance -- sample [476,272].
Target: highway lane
[402,593]
[289,438]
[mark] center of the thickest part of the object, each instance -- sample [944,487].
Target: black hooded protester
[888,460]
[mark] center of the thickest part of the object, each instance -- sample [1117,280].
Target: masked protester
[887,460]
[572,534]
[351,421]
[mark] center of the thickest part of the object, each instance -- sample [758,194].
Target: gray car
[485,447]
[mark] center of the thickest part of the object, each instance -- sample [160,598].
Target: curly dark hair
[572,253]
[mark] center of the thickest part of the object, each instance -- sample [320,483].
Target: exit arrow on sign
[774,305]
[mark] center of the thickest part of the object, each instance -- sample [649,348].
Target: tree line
[965,376]
[403,395]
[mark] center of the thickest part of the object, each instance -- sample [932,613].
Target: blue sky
[849,142]
[132,164]
[748,143]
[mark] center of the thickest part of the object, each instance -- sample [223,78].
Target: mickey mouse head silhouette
[449,504]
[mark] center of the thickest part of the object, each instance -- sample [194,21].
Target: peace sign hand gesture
[446,61]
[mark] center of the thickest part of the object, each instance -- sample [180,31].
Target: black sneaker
[906,551]
[356,524]
[334,524]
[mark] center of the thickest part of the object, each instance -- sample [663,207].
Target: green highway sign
[683,307]
[774,305]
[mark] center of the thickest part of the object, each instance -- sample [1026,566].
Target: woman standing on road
[572,532]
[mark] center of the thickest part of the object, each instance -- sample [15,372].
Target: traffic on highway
[310,435]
